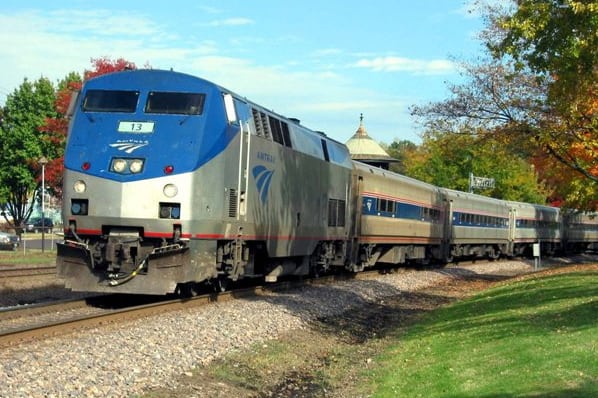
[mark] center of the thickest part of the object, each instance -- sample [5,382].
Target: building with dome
[364,149]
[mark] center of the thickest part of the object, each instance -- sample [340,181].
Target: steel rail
[21,335]
[24,272]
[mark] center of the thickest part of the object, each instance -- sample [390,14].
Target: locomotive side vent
[232,202]
[262,126]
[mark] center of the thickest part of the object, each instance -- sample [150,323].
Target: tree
[537,91]
[21,147]
[34,124]
[495,99]
[104,65]
[400,150]
[558,42]
[447,160]
[56,127]
[566,186]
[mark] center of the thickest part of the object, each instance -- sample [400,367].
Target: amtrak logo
[263,177]
[369,205]
[129,146]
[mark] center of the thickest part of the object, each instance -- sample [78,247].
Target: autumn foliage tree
[56,127]
[558,42]
[537,90]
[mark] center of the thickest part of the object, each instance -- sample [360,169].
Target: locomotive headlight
[79,207]
[136,166]
[164,212]
[79,186]
[119,165]
[170,190]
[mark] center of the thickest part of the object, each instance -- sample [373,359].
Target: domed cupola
[364,149]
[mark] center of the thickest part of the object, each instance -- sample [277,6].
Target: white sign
[480,182]
[136,127]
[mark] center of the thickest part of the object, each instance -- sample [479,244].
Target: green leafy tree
[400,150]
[35,124]
[557,40]
[22,146]
[447,160]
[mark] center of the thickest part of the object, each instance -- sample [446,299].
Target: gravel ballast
[127,359]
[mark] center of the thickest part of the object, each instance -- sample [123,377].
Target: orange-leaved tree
[56,128]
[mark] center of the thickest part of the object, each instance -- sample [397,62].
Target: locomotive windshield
[110,101]
[175,103]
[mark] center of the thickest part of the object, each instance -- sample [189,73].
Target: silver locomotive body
[232,192]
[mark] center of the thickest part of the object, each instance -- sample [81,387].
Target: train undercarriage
[124,261]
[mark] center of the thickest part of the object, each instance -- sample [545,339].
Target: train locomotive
[172,182]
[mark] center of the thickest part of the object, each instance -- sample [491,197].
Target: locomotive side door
[237,112]
[512,230]
[447,240]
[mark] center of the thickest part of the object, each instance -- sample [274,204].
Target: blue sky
[323,62]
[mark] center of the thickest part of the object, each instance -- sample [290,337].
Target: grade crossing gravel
[126,359]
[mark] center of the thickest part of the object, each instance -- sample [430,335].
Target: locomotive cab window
[110,101]
[175,103]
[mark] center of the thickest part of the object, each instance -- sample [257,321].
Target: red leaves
[55,129]
[104,65]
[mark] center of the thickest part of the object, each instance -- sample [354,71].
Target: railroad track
[50,326]
[23,272]
[99,317]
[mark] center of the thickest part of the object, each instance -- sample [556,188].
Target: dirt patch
[34,289]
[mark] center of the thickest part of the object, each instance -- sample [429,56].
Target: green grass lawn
[532,338]
[28,257]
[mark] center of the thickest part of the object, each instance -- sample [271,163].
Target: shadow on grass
[531,308]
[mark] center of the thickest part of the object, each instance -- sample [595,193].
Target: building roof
[363,148]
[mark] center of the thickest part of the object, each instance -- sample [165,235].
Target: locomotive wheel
[187,289]
[424,261]
[221,284]
[494,255]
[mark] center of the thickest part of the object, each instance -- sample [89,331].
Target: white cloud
[231,22]
[401,64]
[33,44]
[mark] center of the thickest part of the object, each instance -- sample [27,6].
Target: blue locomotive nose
[143,124]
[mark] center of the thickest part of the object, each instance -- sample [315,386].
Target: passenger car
[35,225]
[8,241]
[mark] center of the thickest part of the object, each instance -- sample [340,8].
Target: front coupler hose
[117,280]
